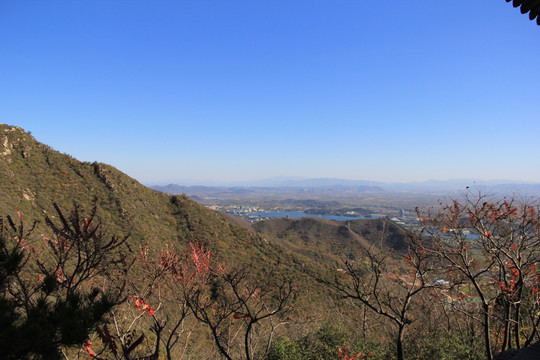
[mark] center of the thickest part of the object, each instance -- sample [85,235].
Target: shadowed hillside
[327,241]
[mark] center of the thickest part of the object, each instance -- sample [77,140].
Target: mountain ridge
[335,184]
[33,176]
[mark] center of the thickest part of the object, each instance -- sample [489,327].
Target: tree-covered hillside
[145,275]
[33,176]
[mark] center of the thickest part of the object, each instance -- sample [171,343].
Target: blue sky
[239,90]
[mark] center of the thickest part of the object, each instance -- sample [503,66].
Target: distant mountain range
[329,184]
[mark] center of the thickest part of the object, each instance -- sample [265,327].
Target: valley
[244,282]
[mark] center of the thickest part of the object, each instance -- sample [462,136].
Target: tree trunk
[246,340]
[487,340]
[399,342]
[516,326]
[507,341]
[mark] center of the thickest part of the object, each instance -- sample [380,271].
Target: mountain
[327,241]
[33,176]
[360,185]
[280,186]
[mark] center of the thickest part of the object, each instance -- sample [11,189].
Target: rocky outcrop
[102,175]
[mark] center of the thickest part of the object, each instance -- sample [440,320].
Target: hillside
[328,241]
[309,251]
[33,176]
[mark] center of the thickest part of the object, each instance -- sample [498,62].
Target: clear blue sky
[237,90]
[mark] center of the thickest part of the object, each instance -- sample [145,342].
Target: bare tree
[232,300]
[493,246]
[391,295]
[154,317]
[236,306]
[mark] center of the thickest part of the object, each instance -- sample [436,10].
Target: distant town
[255,214]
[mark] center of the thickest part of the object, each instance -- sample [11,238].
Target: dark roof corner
[528,6]
[529,353]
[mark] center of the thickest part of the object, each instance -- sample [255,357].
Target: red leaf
[88,349]
[141,305]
